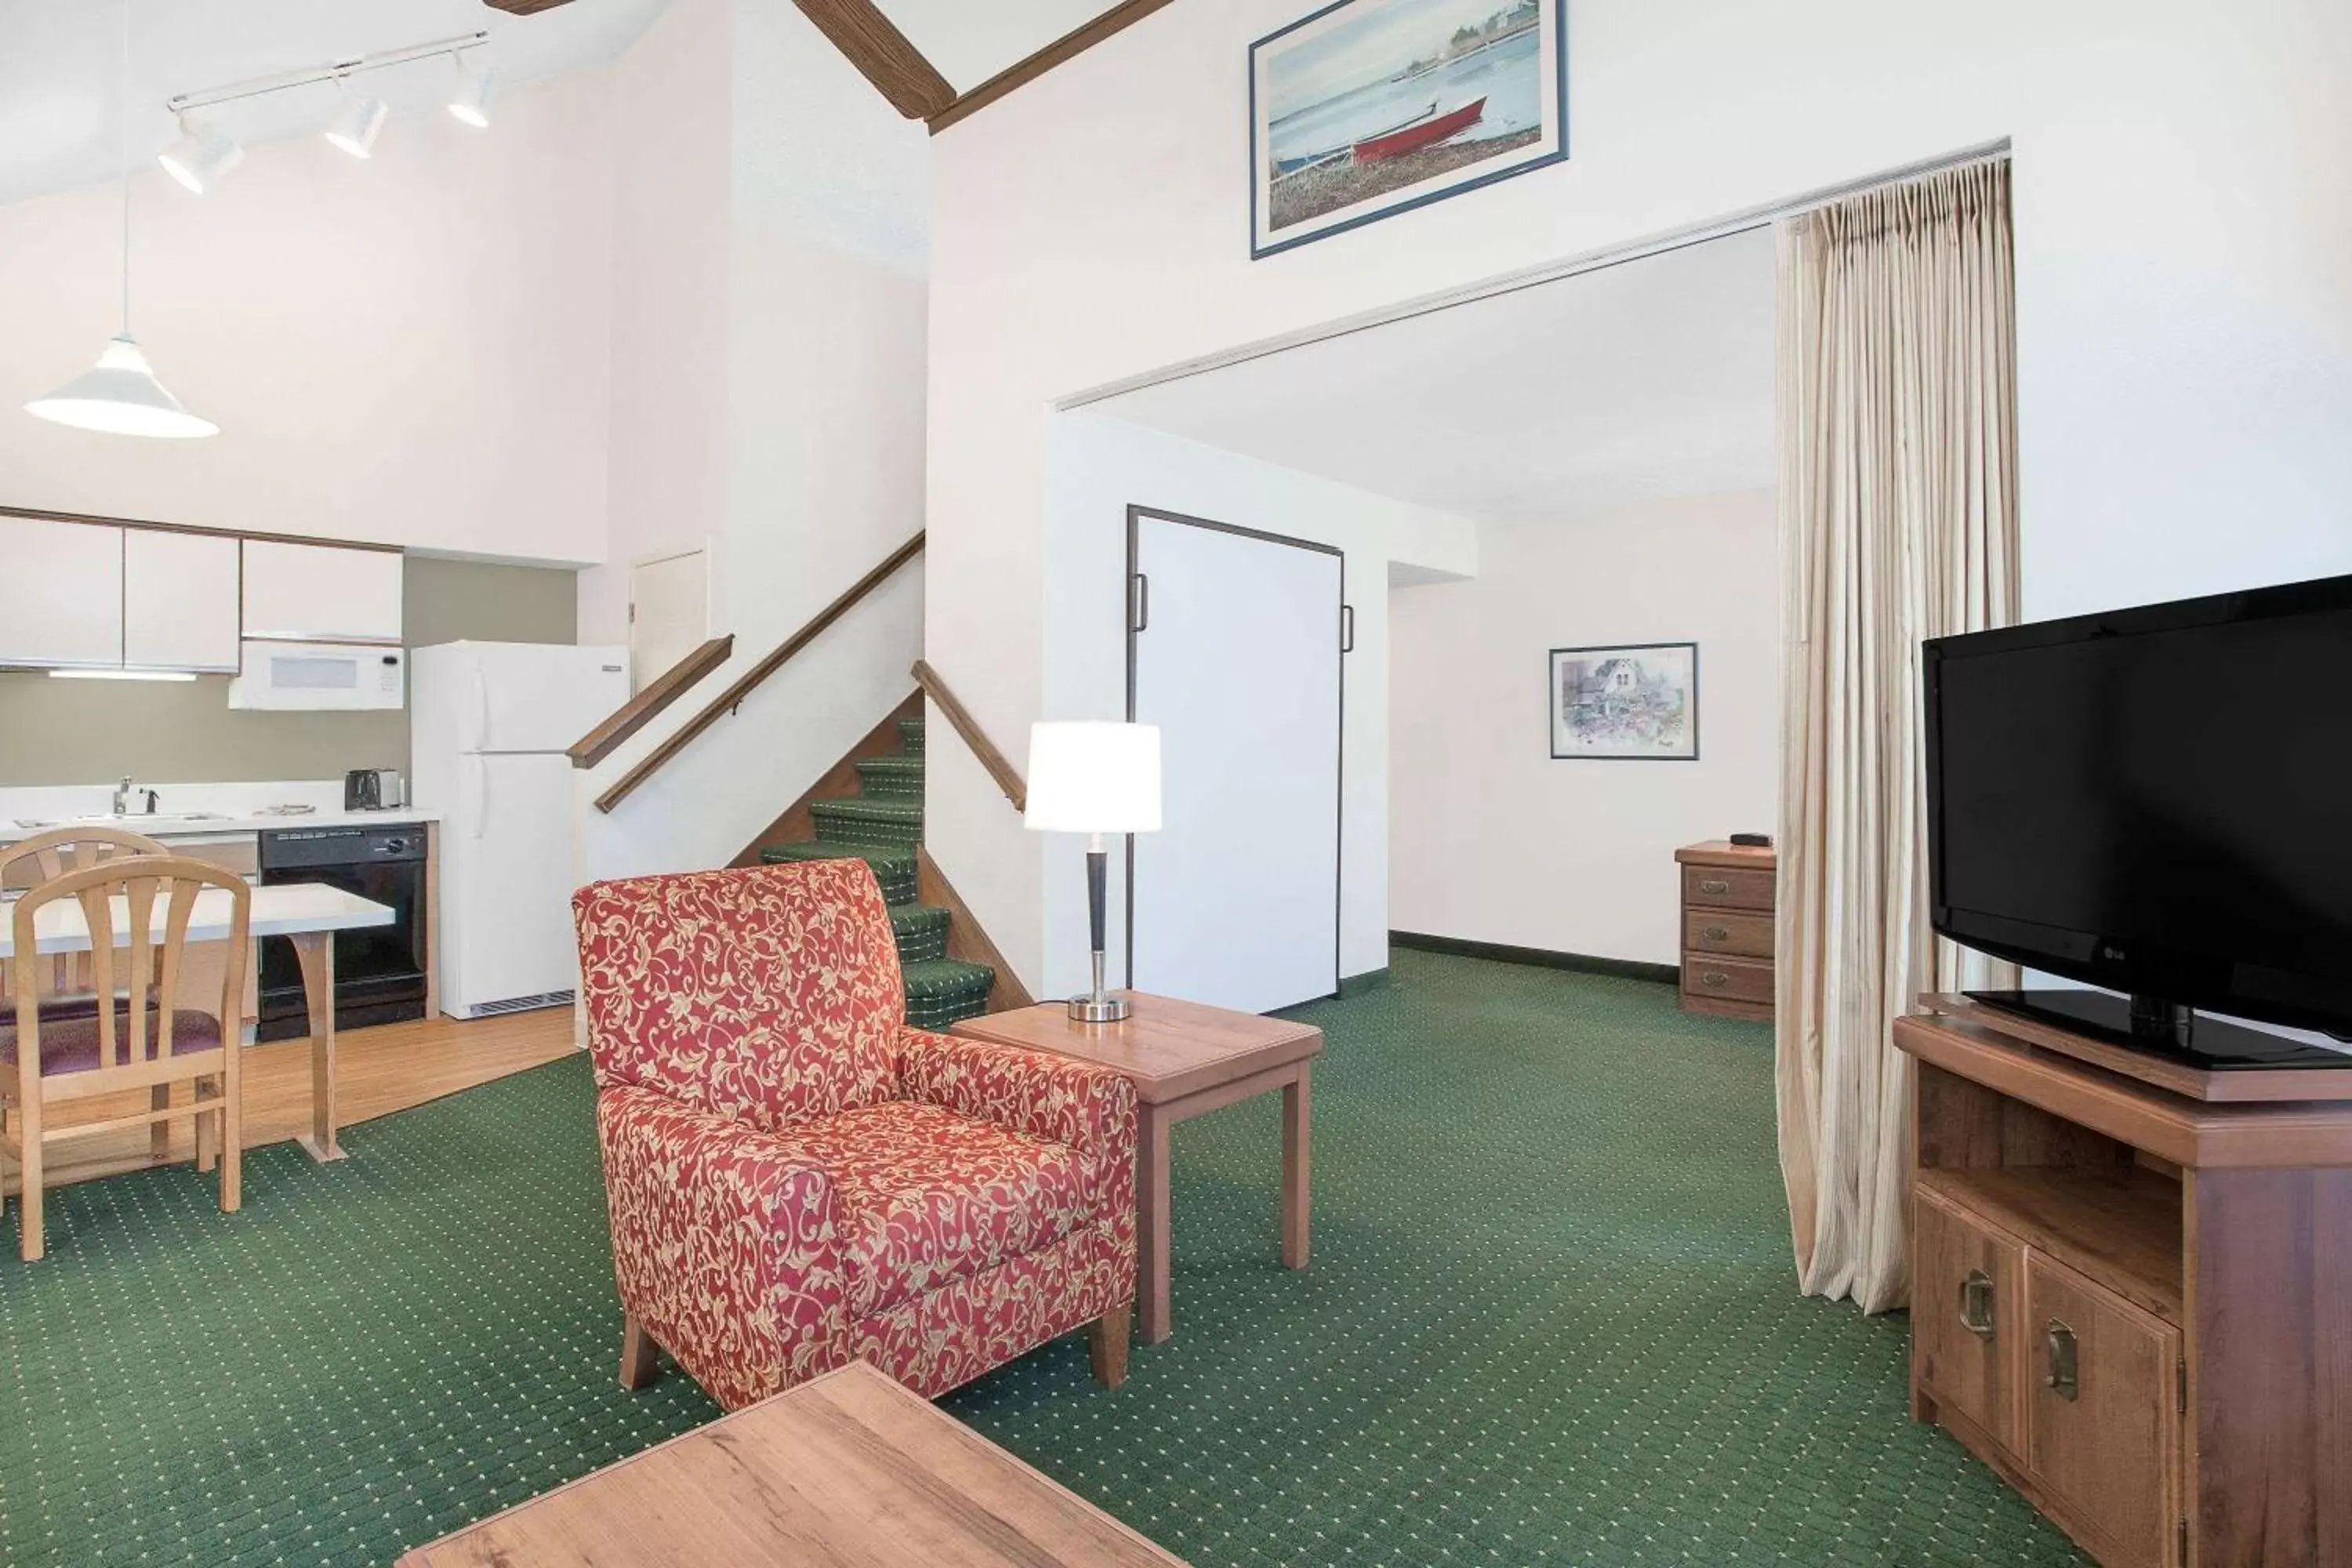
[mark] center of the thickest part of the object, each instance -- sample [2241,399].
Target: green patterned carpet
[1549,1320]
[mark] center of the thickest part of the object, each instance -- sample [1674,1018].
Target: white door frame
[1136,612]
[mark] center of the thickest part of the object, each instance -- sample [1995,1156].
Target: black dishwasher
[379,971]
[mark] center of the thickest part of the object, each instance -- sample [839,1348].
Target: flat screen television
[2156,801]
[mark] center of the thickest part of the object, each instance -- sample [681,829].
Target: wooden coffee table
[847,1469]
[1185,1060]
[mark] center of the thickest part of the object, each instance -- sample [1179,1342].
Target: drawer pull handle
[2066,1379]
[1713,885]
[1715,934]
[1715,977]
[1976,1303]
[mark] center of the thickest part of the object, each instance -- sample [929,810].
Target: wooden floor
[379,1070]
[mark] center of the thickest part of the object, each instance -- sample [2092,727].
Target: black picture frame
[1552,705]
[1264,243]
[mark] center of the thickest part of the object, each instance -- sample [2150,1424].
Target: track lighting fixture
[200,157]
[477,89]
[356,125]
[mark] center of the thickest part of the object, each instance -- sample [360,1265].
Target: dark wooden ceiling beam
[882,54]
[1069,46]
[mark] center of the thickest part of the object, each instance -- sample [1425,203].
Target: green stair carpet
[881,824]
[1550,1319]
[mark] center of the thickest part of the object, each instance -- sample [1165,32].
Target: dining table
[307,914]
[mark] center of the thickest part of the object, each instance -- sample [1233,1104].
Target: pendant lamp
[120,394]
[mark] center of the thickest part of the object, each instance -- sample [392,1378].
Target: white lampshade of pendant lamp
[356,125]
[1094,778]
[477,90]
[200,157]
[122,396]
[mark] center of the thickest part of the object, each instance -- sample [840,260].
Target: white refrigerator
[489,724]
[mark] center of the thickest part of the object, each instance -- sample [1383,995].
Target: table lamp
[1094,778]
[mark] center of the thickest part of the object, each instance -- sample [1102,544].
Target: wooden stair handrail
[749,681]
[969,728]
[639,711]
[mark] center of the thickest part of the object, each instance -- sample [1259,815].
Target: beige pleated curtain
[1898,521]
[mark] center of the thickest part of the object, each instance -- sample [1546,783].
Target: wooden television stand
[2132,1288]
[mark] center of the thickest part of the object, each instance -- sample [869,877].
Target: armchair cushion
[924,1195]
[768,995]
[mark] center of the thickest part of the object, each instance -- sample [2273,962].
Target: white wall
[2184,270]
[768,401]
[410,350]
[1099,466]
[1492,839]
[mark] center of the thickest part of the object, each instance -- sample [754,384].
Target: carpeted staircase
[881,824]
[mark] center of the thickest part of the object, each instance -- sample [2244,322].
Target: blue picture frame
[1373,169]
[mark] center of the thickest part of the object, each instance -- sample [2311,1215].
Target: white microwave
[319,674]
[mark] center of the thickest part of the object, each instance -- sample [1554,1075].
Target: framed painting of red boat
[1367,108]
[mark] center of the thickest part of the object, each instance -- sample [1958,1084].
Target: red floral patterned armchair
[797,1179]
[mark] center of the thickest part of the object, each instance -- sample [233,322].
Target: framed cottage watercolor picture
[1369,107]
[1634,703]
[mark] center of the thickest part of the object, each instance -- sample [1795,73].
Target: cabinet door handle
[1715,977]
[1976,1303]
[2065,1379]
[1714,934]
[1713,885]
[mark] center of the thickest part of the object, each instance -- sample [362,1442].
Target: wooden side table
[847,1468]
[1186,1061]
[1728,895]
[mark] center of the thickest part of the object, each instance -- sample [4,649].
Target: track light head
[477,90]
[201,157]
[356,125]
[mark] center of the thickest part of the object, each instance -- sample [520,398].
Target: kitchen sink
[156,819]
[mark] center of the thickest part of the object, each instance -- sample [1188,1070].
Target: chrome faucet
[126,792]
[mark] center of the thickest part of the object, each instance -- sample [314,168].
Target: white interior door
[1235,901]
[669,614]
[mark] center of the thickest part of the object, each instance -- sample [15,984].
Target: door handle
[1714,934]
[2065,1377]
[1713,885]
[1141,620]
[1348,628]
[1976,1303]
[1715,977]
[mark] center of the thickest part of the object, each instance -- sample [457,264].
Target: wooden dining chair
[44,856]
[138,1034]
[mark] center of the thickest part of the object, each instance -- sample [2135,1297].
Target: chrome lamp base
[1097,1009]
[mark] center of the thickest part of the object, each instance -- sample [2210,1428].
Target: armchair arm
[1091,1107]
[722,1244]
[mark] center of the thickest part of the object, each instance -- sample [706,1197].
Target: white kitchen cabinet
[61,593]
[179,599]
[321,593]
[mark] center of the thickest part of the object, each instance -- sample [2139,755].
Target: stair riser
[845,829]
[882,782]
[910,735]
[922,933]
[938,1013]
[898,881]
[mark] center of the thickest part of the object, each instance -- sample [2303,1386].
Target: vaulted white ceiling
[61,66]
[970,40]
[1650,379]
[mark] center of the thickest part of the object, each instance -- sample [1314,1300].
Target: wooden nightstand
[1727,907]
[1185,1060]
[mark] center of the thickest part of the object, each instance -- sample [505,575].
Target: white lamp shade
[477,90]
[200,157]
[122,396]
[1089,777]
[355,125]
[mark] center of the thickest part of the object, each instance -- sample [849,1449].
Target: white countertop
[223,809]
[168,827]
